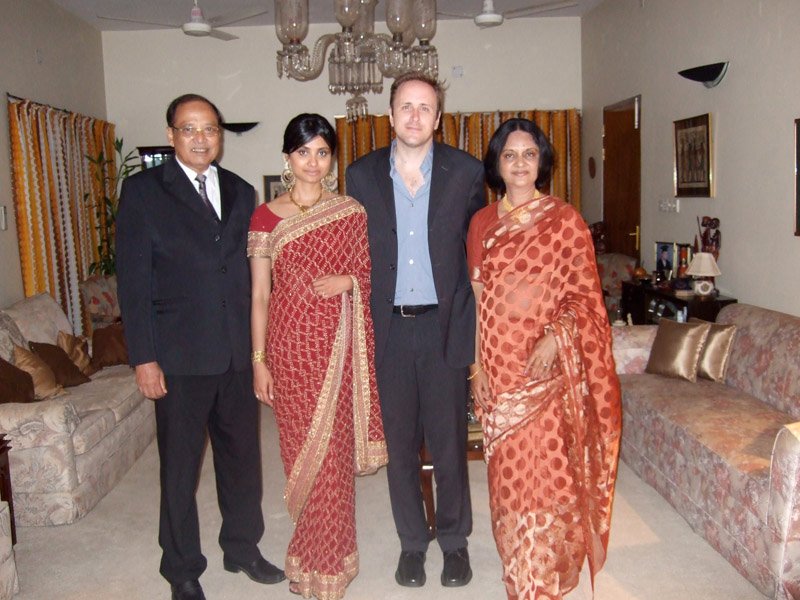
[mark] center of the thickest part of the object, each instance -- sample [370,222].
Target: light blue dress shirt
[414,272]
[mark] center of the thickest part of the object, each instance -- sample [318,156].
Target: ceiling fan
[488,17]
[199,26]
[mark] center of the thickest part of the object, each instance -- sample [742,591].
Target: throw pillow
[677,348]
[77,348]
[44,380]
[714,360]
[108,346]
[67,374]
[15,384]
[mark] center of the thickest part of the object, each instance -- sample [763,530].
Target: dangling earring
[287,176]
[329,182]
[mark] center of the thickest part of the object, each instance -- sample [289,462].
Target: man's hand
[150,379]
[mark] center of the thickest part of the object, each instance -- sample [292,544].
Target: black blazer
[457,192]
[183,275]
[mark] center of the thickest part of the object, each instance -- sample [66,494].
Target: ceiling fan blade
[221,35]
[455,15]
[236,16]
[138,21]
[538,9]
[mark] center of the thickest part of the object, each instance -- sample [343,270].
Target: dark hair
[665,248]
[498,142]
[304,128]
[173,107]
[437,86]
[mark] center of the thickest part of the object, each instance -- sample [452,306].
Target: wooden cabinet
[648,304]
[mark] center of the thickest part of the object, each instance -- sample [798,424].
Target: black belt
[413,310]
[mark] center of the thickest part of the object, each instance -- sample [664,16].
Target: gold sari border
[320,585]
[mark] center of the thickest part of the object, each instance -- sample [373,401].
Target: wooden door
[622,177]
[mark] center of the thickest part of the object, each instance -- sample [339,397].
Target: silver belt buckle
[403,314]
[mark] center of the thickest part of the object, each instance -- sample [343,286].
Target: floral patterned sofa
[69,451]
[725,455]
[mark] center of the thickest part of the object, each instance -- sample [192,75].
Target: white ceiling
[321,11]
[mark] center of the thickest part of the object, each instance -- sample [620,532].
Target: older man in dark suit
[184,288]
[420,196]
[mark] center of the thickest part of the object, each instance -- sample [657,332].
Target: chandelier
[359,57]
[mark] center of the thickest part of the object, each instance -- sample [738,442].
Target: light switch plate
[669,205]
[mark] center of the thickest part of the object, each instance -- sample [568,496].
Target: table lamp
[703,268]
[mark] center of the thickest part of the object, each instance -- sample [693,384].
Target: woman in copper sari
[544,384]
[313,355]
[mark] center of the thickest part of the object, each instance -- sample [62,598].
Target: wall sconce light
[708,75]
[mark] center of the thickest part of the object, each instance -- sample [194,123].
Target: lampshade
[703,265]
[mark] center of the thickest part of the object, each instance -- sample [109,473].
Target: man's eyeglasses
[188,132]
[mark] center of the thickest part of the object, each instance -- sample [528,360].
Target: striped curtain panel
[56,227]
[471,132]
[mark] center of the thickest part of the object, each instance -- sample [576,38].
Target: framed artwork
[797,176]
[665,253]
[683,258]
[272,187]
[693,173]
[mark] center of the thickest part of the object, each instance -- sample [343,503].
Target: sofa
[68,451]
[726,454]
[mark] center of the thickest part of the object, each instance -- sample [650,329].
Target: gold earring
[287,176]
[329,182]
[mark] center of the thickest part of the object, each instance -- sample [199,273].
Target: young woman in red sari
[313,355]
[545,384]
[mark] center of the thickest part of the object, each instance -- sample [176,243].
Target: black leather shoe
[188,590]
[410,569]
[456,571]
[260,570]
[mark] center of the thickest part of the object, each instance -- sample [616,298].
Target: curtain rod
[10,96]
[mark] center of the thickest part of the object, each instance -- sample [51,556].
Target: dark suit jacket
[183,275]
[457,191]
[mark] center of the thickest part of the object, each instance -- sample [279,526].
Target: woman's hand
[542,356]
[329,286]
[263,385]
[479,385]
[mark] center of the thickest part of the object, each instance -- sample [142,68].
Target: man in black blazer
[419,197]
[184,289]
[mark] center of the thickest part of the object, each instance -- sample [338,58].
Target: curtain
[471,132]
[55,190]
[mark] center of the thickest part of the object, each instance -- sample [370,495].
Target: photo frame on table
[665,254]
[797,176]
[693,172]
[272,187]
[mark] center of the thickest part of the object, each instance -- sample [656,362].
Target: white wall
[632,47]
[51,57]
[526,63]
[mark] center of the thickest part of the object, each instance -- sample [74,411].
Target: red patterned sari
[551,445]
[321,355]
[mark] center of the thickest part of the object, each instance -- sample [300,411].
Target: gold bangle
[259,356]
[475,374]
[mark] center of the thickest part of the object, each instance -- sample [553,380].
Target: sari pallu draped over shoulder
[539,275]
[352,333]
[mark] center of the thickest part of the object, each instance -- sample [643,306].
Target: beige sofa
[725,455]
[67,452]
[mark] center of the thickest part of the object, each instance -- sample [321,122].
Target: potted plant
[109,173]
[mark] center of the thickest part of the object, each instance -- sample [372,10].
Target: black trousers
[225,407]
[423,398]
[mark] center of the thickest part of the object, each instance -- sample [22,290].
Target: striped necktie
[201,189]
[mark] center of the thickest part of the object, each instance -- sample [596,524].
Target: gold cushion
[714,360]
[77,348]
[44,380]
[677,349]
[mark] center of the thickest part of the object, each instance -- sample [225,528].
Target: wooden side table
[647,304]
[5,484]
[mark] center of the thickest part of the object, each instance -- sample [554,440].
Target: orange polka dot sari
[552,445]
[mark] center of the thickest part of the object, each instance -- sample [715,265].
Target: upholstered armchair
[613,269]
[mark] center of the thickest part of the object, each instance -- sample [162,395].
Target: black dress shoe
[456,571]
[260,570]
[410,569]
[188,590]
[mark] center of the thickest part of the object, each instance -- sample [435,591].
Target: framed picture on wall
[272,187]
[797,176]
[693,173]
